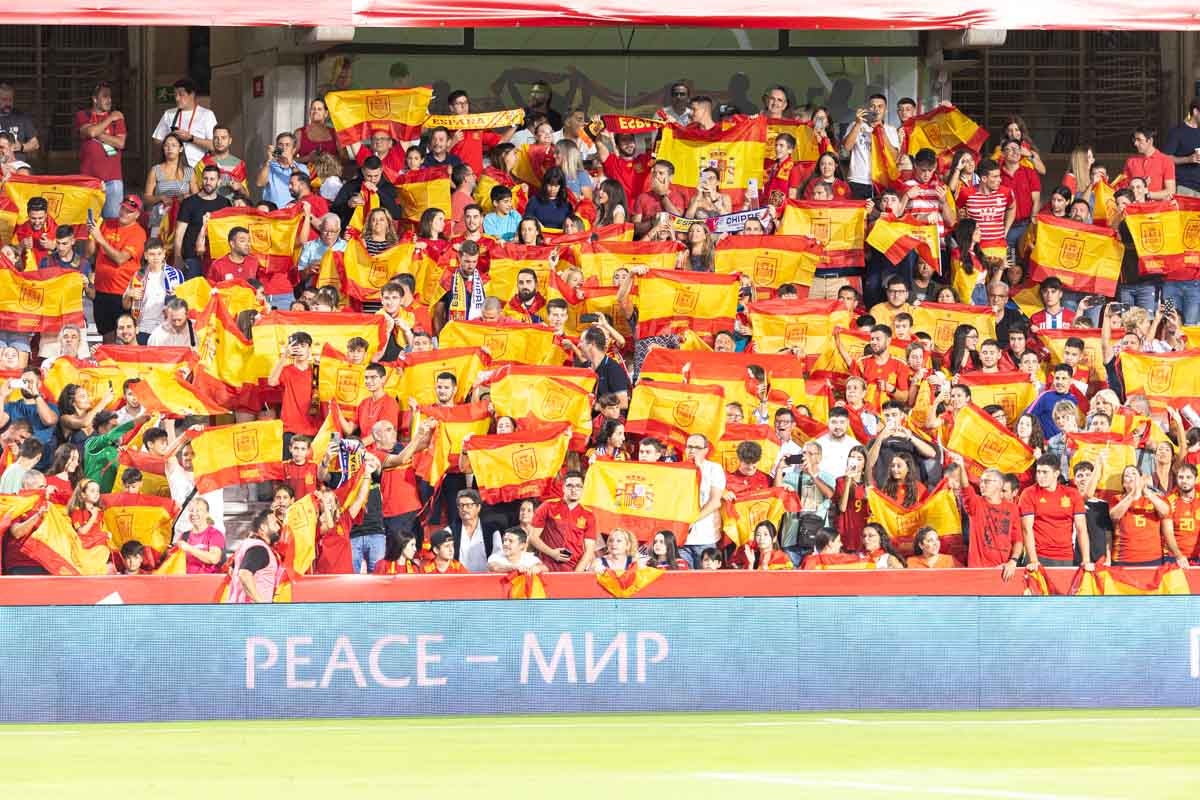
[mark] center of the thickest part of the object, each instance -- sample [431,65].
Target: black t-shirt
[610,378]
[255,559]
[372,518]
[192,211]
[1099,526]
[1183,141]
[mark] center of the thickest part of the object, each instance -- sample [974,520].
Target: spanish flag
[895,238]
[168,394]
[331,424]
[505,342]
[1168,378]
[736,151]
[454,424]
[1104,203]
[599,300]
[769,261]
[1189,221]
[360,275]
[939,511]
[704,302]
[643,497]
[808,148]
[358,114]
[54,543]
[600,260]
[1157,231]
[238,296]
[839,227]
[673,411]
[523,586]
[532,162]
[1106,580]
[582,377]
[724,451]
[985,443]
[741,516]
[298,540]
[145,518]
[419,371]
[340,380]
[68,197]
[42,301]
[629,582]
[135,361]
[1055,341]
[272,330]
[223,351]
[175,563]
[945,130]
[836,561]
[885,167]
[617,232]
[1109,452]
[1087,258]
[830,363]
[152,467]
[785,373]
[518,465]
[509,259]
[247,452]
[1011,390]
[940,320]
[419,191]
[778,325]
[272,234]
[546,399]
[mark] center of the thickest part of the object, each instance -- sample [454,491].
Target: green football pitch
[1149,754]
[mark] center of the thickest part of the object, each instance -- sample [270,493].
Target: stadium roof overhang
[860,15]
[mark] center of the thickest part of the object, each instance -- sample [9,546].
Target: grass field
[1143,754]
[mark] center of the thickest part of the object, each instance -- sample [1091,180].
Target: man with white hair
[329,237]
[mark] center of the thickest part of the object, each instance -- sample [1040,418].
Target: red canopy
[863,15]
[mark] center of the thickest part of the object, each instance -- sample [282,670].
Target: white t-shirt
[860,154]
[500,563]
[154,297]
[198,121]
[471,551]
[834,453]
[181,484]
[707,530]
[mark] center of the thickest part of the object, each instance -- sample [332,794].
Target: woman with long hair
[764,554]
[550,205]
[87,517]
[828,172]
[1029,431]
[77,411]
[316,136]
[168,182]
[401,558]
[63,473]
[927,546]
[1056,205]
[969,270]
[709,200]
[326,175]
[902,486]
[1078,177]
[877,547]
[664,553]
[611,203]
[850,499]
[380,231]
[529,232]
[431,233]
[610,442]
[699,248]
[575,177]
[964,352]
[962,173]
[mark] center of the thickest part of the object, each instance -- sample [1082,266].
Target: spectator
[927,552]
[1155,167]
[115,248]
[101,141]
[202,543]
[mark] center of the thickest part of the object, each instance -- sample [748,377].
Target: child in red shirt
[294,372]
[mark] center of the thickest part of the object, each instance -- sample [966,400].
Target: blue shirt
[1043,410]
[312,252]
[500,227]
[278,177]
[19,409]
[551,215]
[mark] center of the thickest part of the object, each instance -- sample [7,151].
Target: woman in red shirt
[63,472]
[431,233]
[927,553]
[765,554]
[86,515]
[902,485]
[1138,535]
[827,172]
[850,493]
[405,562]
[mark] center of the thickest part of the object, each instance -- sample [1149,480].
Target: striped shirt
[988,210]
[926,202]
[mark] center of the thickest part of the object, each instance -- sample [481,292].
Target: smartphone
[663,218]
[794,461]
[91,217]
[589,319]
[752,187]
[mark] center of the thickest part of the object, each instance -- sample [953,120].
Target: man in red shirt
[1053,519]
[116,251]
[991,205]
[783,177]
[995,539]
[1026,187]
[1185,512]
[470,145]
[398,482]
[238,264]
[35,236]
[315,206]
[564,532]
[101,139]
[381,147]
[886,376]
[747,477]
[1152,164]
[622,165]
[462,180]
[660,197]
[300,474]
[294,372]
[379,406]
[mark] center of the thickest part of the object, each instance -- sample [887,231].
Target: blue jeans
[1014,237]
[1186,295]
[192,268]
[370,548]
[282,302]
[1144,295]
[114,191]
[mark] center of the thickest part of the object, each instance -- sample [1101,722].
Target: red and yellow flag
[524,586]
[484,121]
[600,260]
[736,151]
[42,301]
[785,373]
[68,197]
[168,394]
[419,371]
[145,518]
[778,325]
[1167,378]
[627,583]
[885,167]
[582,377]
[896,238]
[617,232]
[839,227]
[340,380]
[1167,579]
[1012,391]
[1157,229]
[223,351]
[724,451]
[272,330]
[1055,340]
[246,452]
[1108,452]
[770,261]
[938,511]
[55,545]
[135,361]
[945,130]
[673,411]
[808,148]
[360,275]
[940,320]
[152,467]
[96,379]
[359,113]
[985,443]
[509,259]
[505,342]
[546,399]
[455,424]
[418,191]
[272,234]
[643,497]
[521,464]
[1087,258]
[704,302]
[238,296]
[175,563]
[831,364]
[298,539]
[741,516]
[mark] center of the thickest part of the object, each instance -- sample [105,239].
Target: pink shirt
[209,537]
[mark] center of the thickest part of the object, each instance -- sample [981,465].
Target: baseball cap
[133,202]
[439,538]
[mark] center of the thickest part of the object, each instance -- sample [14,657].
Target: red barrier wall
[136,590]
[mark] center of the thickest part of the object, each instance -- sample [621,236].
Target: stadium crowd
[542,344]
